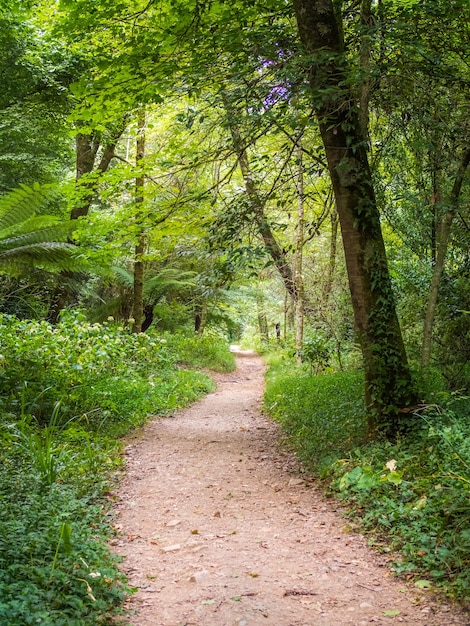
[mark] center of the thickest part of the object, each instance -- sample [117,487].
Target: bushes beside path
[67,392]
[412,497]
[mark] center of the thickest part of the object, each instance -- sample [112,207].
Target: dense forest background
[292,176]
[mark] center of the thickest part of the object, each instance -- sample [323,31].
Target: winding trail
[218,528]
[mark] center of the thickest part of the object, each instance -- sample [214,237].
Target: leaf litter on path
[243,537]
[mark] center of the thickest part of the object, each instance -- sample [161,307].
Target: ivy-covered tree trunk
[388,380]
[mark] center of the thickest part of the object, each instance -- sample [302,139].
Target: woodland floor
[219,528]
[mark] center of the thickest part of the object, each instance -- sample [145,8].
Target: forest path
[219,529]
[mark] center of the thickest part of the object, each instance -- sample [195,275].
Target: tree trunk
[388,379]
[442,243]
[332,257]
[299,244]
[139,269]
[257,204]
[200,317]
[364,62]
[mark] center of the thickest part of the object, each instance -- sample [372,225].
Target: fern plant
[155,287]
[29,238]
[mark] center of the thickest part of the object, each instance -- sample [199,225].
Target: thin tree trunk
[262,319]
[286,314]
[257,204]
[388,378]
[364,63]
[333,253]
[442,243]
[299,244]
[139,269]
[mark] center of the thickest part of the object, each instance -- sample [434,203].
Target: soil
[219,527]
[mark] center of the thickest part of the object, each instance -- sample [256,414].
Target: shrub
[414,493]
[67,392]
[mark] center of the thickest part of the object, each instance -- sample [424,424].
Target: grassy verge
[67,393]
[412,496]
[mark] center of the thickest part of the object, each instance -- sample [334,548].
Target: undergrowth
[67,393]
[412,495]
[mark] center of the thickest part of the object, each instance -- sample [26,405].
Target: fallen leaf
[392,613]
[236,598]
[208,601]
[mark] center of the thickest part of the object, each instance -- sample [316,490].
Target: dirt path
[219,530]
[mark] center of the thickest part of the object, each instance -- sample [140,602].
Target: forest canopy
[210,152]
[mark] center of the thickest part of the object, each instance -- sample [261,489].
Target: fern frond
[54,233]
[124,277]
[168,279]
[23,202]
[51,256]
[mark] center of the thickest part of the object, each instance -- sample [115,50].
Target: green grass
[412,495]
[322,415]
[67,393]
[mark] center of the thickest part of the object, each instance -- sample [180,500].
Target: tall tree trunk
[262,319]
[299,245]
[442,243]
[388,379]
[257,204]
[364,62]
[332,256]
[139,269]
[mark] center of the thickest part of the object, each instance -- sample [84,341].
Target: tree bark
[299,245]
[139,269]
[388,379]
[332,257]
[257,204]
[442,243]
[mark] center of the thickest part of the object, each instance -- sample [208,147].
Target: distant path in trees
[219,528]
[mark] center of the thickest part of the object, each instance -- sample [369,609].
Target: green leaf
[395,478]
[392,613]
[423,584]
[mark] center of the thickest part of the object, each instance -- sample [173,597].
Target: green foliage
[67,391]
[316,351]
[322,416]
[54,565]
[102,375]
[203,351]
[30,240]
[412,494]
[34,134]
[416,491]
[40,445]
